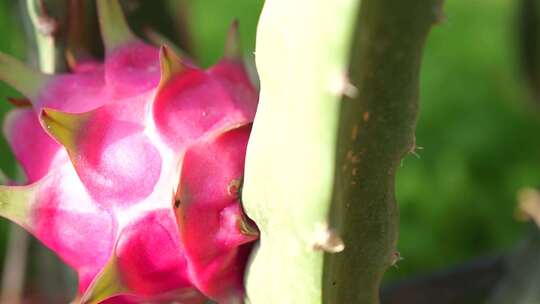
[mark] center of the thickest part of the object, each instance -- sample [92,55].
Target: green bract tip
[21,77]
[15,202]
[115,30]
[64,127]
[171,64]
[107,284]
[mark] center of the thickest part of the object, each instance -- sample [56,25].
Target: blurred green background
[478,127]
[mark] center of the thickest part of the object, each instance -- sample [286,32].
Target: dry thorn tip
[529,205]
[328,240]
[396,257]
[340,85]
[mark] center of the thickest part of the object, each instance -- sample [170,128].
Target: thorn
[414,148]
[340,85]
[413,152]
[529,205]
[233,49]
[395,258]
[327,240]
[115,30]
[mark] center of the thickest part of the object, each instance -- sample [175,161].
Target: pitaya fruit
[134,168]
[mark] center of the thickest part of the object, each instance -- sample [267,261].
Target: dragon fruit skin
[133,168]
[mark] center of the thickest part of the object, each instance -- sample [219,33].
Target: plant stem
[376,131]
[301,55]
[301,188]
[14,265]
[45,29]
[47,52]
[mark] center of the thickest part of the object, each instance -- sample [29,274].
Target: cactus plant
[325,182]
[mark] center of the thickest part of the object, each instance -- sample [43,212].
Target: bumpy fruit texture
[134,167]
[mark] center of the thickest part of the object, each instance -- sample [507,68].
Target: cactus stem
[45,28]
[376,132]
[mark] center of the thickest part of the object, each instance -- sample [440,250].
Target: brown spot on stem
[354,133]
[365,116]
[353,158]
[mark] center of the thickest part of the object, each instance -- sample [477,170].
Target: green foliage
[210,20]
[11,42]
[480,137]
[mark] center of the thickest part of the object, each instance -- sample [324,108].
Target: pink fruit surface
[133,170]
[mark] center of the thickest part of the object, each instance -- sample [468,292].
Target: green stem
[319,171]
[46,31]
[301,55]
[46,50]
[376,131]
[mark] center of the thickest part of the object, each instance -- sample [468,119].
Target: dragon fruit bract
[133,169]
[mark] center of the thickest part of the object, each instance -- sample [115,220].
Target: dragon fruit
[133,169]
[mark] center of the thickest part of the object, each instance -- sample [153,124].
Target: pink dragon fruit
[133,169]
